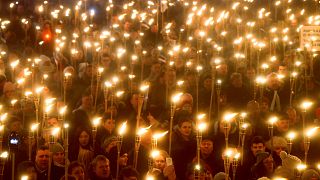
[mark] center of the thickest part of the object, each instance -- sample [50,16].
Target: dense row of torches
[200,22]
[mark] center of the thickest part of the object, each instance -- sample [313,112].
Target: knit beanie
[55,148]
[261,156]
[289,164]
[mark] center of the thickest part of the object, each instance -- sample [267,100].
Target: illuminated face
[109,125]
[185,129]
[264,107]
[127,26]
[58,157]
[102,169]
[42,159]
[283,125]
[206,147]
[257,147]
[53,122]
[84,138]
[160,162]
[123,161]
[78,172]
[282,70]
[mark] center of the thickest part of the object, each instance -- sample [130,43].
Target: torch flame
[142,131]
[123,128]
[159,135]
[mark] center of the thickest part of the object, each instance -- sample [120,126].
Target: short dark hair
[42,148]
[257,140]
[128,172]
[235,75]
[184,117]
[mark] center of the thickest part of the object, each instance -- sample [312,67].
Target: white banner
[310,38]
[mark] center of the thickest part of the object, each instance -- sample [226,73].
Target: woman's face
[185,129]
[58,157]
[109,125]
[78,172]
[160,162]
[84,138]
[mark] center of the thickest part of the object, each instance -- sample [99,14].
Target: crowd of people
[226,83]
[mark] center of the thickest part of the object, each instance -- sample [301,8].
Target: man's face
[123,161]
[237,82]
[283,125]
[53,122]
[282,70]
[58,157]
[87,101]
[42,159]
[102,169]
[206,147]
[257,147]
